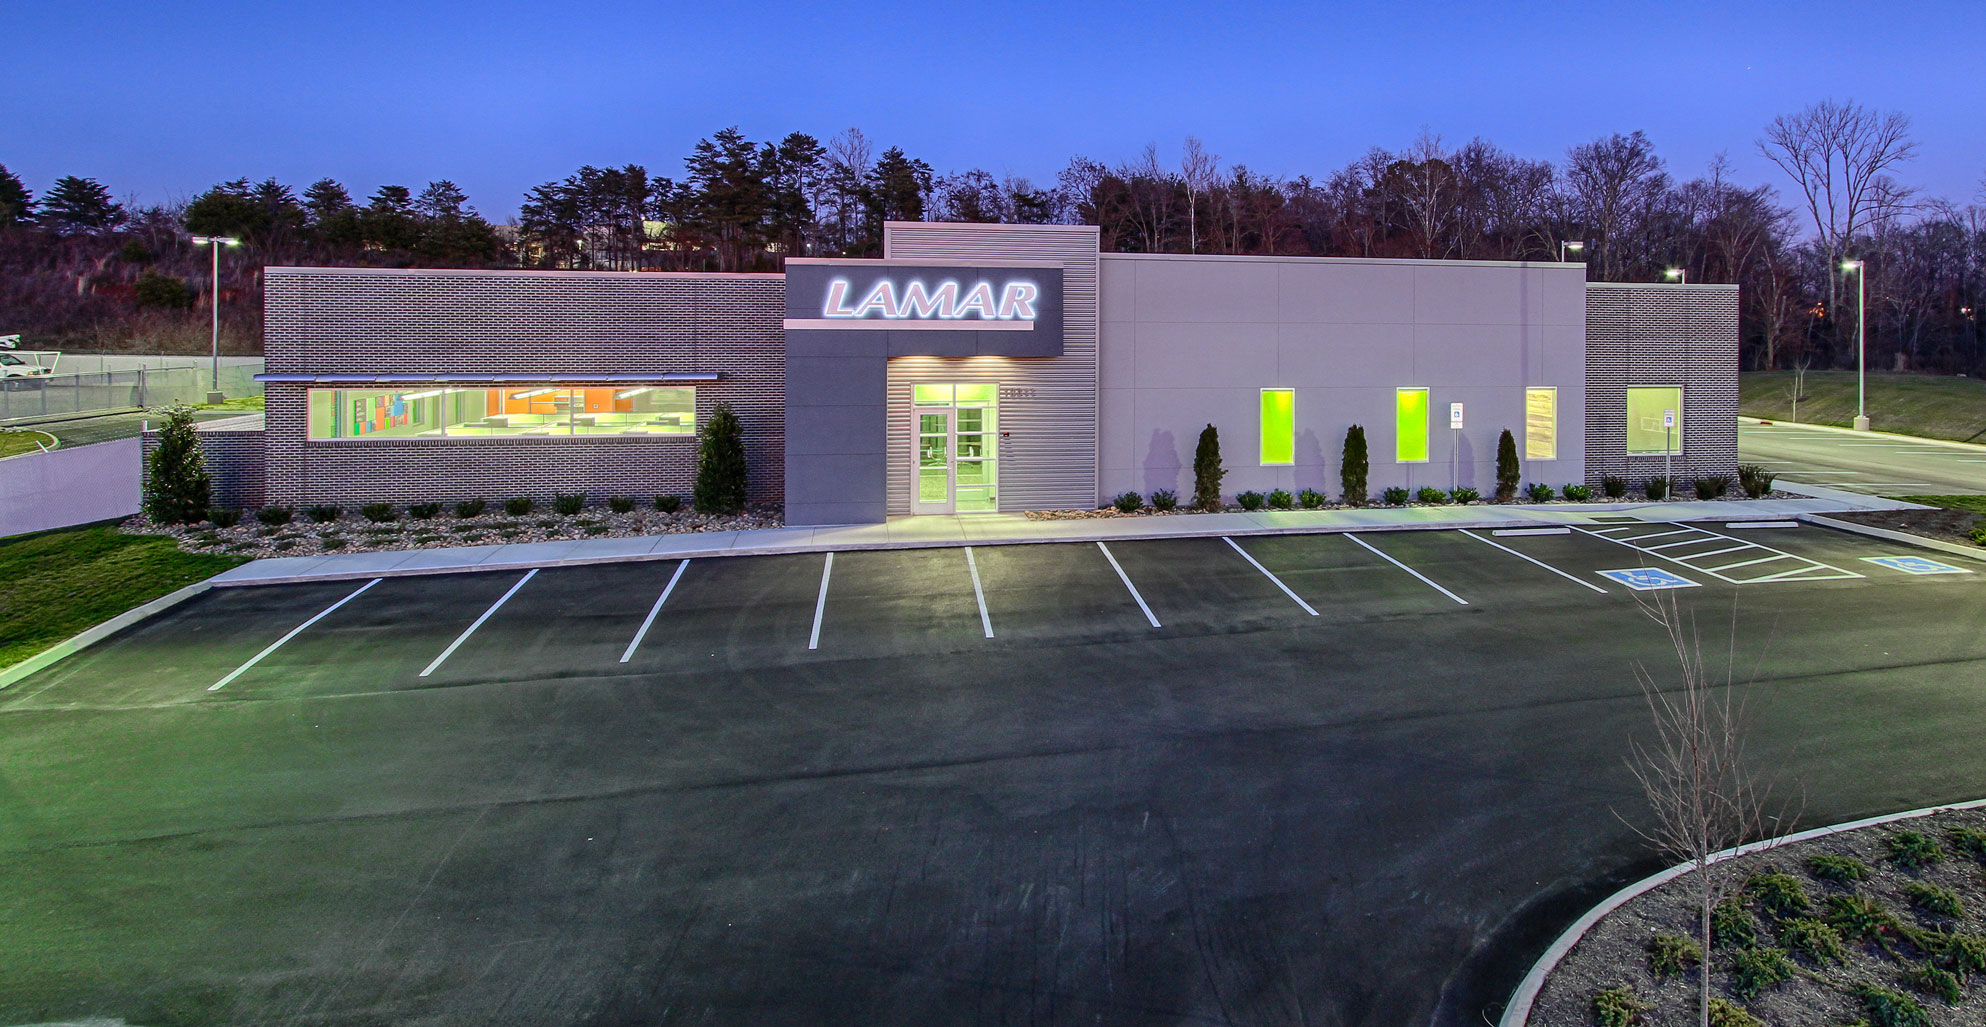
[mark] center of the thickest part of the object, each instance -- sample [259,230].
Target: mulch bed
[1941,524]
[352,534]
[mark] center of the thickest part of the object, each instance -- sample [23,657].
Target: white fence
[57,394]
[73,485]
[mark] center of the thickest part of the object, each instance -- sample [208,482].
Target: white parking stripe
[1684,542]
[294,632]
[1658,534]
[1409,570]
[973,566]
[1747,563]
[1126,578]
[1503,532]
[653,610]
[1719,552]
[1271,577]
[820,604]
[1541,563]
[464,636]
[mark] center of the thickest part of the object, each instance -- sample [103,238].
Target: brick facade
[1684,335]
[563,325]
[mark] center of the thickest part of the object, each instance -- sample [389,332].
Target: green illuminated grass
[14,443]
[241,403]
[57,583]
[1932,406]
[1976,504]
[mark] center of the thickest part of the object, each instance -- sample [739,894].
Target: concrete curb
[92,636]
[1519,1010]
[1892,535]
[1964,447]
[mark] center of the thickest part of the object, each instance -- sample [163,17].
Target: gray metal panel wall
[1657,334]
[1049,404]
[561,324]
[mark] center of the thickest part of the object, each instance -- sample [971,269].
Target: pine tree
[78,205]
[720,466]
[1207,471]
[1508,470]
[1355,466]
[177,487]
[16,201]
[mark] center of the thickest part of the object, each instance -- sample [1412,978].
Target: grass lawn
[1932,406]
[239,404]
[57,583]
[1974,504]
[14,443]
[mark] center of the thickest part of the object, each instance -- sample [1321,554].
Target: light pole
[1681,275]
[216,241]
[1576,247]
[1861,345]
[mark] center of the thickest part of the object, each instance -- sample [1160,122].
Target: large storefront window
[529,411]
[1540,424]
[1649,413]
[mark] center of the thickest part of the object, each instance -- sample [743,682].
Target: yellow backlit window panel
[1541,424]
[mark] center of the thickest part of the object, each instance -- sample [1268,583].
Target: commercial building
[985,368]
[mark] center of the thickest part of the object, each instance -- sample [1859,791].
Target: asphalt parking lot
[1883,465]
[1307,779]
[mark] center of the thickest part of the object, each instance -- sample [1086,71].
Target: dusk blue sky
[160,100]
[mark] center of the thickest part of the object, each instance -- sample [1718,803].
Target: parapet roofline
[456,272]
[617,378]
[1261,258]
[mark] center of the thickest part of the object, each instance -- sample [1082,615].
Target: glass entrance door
[955,449]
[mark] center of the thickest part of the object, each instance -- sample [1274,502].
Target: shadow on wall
[1162,463]
[1310,466]
[1465,451]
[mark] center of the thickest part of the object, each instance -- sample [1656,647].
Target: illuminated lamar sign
[946,302]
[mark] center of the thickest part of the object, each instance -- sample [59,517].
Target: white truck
[19,365]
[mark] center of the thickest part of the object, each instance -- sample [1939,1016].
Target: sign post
[1668,447]
[1454,446]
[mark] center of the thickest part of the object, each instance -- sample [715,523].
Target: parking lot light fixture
[1861,345]
[216,242]
[1576,247]
[1681,275]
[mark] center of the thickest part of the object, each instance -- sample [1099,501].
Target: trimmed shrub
[469,508]
[568,503]
[1712,486]
[1814,939]
[1395,496]
[1618,1006]
[1207,471]
[1756,969]
[178,489]
[1857,917]
[322,514]
[378,513]
[1755,480]
[275,514]
[1613,486]
[1464,495]
[1354,467]
[1128,502]
[1965,952]
[1780,895]
[1539,492]
[1887,1008]
[1311,499]
[1657,487]
[668,504]
[1164,500]
[1508,471]
[1969,840]
[424,511]
[1977,535]
[1929,898]
[1280,499]
[224,518]
[1672,954]
[1732,925]
[1932,980]
[621,504]
[519,506]
[1839,869]
[1432,496]
[720,463]
[334,542]
[1577,493]
[1914,850]
[1726,1013]
[1249,500]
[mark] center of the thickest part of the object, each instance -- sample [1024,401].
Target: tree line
[1841,208]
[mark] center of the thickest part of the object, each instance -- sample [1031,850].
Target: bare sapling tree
[1799,386]
[1198,169]
[1702,798]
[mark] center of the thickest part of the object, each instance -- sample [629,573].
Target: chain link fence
[102,391]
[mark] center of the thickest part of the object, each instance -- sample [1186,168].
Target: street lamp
[1861,345]
[1576,247]
[1681,275]
[216,241]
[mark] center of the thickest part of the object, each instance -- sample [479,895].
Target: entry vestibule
[955,449]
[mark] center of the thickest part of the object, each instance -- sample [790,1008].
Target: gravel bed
[1632,497]
[1819,994]
[354,534]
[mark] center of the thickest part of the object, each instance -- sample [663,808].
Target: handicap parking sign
[1915,565]
[1646,579]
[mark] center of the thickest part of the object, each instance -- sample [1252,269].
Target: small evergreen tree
[177,487]
[1207,471]
[1508,471]
[1353,470]
[720,465]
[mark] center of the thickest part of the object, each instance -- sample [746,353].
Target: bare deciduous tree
[1198,169]
[1838,154]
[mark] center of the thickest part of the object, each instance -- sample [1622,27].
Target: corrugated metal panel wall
[1662,335]
[1049,405]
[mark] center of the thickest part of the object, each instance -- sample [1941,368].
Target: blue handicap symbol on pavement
[1915,565]
[1644,579]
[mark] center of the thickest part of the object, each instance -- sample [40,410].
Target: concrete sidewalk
[1015,529]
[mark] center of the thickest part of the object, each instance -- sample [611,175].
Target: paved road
[1877,464]
[822,794]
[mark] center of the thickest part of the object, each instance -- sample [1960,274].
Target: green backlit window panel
[931,395]
[1410,426]
[1647,432]
[1541,424]
[1278,426]
[977,395]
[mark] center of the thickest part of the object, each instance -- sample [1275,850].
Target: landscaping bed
[315,531]
[1164,504]
[1883,926]
[1960,519]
